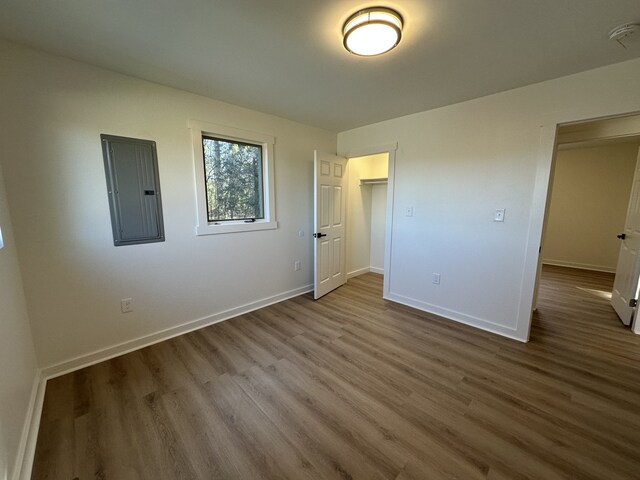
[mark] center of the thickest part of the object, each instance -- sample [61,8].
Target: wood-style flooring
[355,387]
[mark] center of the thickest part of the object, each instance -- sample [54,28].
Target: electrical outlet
[435,278]
[297,265]
[126,305]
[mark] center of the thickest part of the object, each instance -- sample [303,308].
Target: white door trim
[532,257]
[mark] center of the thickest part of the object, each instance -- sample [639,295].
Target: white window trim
[204,227]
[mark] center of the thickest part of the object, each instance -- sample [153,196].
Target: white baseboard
[146,340]
[360,271]
[27,447]
[364,270]
[581,266]
[509,332]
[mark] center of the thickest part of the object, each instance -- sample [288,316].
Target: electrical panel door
[133,185]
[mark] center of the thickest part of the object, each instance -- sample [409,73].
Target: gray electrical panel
[131,167]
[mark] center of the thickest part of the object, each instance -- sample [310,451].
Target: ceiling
[285,57]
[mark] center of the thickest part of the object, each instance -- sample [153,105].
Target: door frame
[547,152]
[390,149]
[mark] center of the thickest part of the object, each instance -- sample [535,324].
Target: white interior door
[330,195]
[625,286]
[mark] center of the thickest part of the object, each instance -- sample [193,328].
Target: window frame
[200,129]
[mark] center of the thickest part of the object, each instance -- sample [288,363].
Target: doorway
[589,192]
[330,205]
[366,214]
[588,205]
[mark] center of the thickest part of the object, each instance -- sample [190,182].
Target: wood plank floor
[354,387]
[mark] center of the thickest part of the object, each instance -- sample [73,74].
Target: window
[234,179]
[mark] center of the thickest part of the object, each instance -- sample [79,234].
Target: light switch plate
[499,215]
[126,305]
[408,212]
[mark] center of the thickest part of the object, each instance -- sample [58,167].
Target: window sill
[212,229]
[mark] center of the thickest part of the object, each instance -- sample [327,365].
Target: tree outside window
[233,179]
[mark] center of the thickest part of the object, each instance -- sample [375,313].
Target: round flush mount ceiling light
[372,31]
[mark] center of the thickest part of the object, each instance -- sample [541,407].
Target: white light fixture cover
[372,31]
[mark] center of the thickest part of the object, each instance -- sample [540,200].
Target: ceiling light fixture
[372,31]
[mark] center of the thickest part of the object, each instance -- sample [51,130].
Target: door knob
[622,236]
[319,235]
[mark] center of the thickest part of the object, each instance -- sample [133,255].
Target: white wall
[588,207]
[456,165]
[360,212]
[17,356]
[53,111]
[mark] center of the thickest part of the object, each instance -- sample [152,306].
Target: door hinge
[633,302]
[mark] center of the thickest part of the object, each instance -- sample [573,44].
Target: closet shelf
[373,181]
